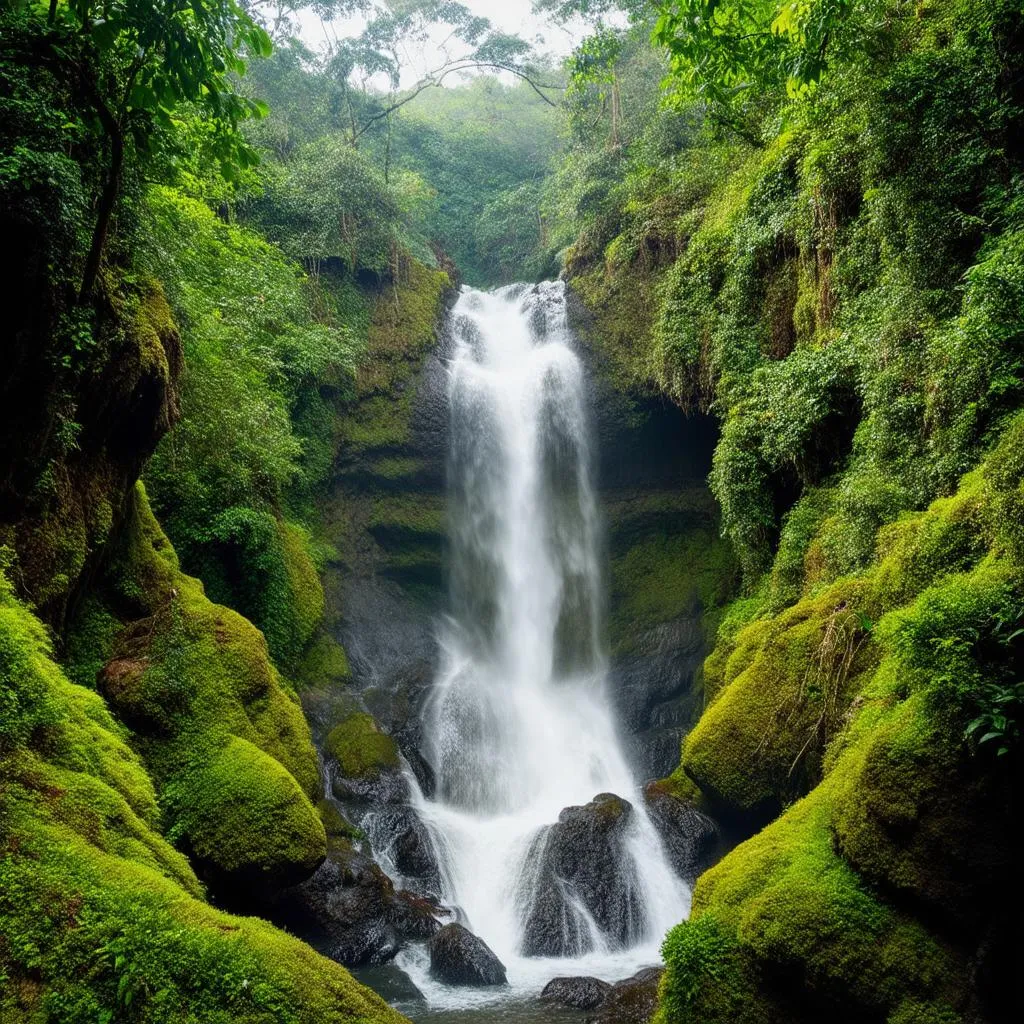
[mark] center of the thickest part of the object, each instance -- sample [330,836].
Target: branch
[436,81]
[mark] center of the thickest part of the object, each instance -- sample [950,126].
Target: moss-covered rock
[362,751]
[785,907]
[244,816]
[100,917]
[761,740]
[71,455]
[195,684]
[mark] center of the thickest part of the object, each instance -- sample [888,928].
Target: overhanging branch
[437,79]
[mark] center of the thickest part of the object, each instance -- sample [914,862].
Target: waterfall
[519,722]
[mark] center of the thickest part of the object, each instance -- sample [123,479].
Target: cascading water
[519,721]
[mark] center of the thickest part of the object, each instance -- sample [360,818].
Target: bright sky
[508,15]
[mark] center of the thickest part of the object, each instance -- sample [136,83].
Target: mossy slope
[222,734]
[886,892]
[100,917]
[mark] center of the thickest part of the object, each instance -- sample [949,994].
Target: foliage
[263,351]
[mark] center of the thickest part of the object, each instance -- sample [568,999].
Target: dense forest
[791,241]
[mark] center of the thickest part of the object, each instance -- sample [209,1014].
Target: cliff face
[670,573]
[384,519]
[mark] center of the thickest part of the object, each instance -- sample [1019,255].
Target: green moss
[195,683]
[239,793]
[668,560]
[402,328]
[74,500]
[89,642]
[324,663]
[662,578]
[98,913]
[360,748]
[708,980]
[336,825]
[785,902]
[407,518]
[396,467]
[787,683]
[901,812]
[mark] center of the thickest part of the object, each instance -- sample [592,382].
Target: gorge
[537,543]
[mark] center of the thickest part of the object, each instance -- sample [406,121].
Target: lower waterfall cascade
[519,725]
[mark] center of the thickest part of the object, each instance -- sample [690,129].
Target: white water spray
[519,720]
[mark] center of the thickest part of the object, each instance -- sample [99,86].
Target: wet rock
[632,1001]
[393,985]
[458,957]
[387,787]
[414,916]
[654,695]
[692,840]
[349,909]
[582,862]
[579,993]
[402,843]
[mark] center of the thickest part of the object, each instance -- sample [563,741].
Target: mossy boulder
[98,912]
[761,740]
[368,760]
[195,684]
[786,906]
[245,819]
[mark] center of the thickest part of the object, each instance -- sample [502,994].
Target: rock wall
[670,573]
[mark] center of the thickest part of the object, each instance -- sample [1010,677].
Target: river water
[519,719]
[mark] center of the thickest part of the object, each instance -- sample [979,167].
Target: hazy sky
[509,15]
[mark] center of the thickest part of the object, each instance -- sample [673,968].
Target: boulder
[580,993]
[582,862]
[402,843]
[692,839]
[368,766]
[350,910]
[632,1001]
[458,957]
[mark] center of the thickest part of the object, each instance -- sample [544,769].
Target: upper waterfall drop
[519,723]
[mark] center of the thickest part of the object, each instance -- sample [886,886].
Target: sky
[508,15]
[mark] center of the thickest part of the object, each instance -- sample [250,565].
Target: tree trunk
[105,211]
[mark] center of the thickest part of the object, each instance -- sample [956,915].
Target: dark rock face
[579,993]
[582,860]
[654,693]
[386,787]
[397,835]
[632,1001]
[350,910]
[692,839]
[670,568]
[458,957]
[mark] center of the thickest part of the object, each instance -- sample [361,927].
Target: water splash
[519,720]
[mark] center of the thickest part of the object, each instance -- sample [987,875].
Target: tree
[136,63]
[721,49]
[471,43]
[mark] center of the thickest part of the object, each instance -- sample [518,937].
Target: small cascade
[544,847]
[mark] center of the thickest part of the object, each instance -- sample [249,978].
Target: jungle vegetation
[802,217]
